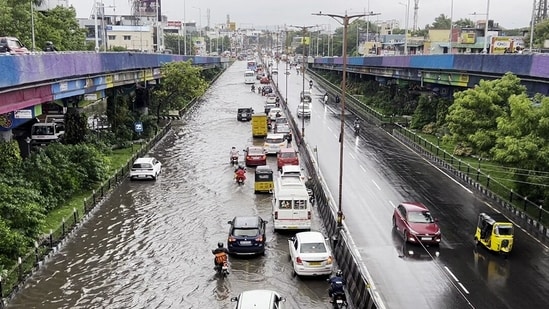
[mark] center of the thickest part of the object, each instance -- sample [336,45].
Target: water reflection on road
[149,245]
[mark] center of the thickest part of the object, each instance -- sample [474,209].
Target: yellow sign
[468,38]
[306,40]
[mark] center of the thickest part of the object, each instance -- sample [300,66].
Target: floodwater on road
[149,245]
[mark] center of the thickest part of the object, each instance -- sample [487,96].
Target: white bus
[249,77]
[290,206]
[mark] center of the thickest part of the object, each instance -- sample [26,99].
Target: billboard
[148,8]
[175,23]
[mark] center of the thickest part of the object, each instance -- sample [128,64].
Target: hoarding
[148,8]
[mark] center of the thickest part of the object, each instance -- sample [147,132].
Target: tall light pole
[184,29]
[451,26]
[345,22]
[484,49]
[406,26]
[32,26]
[305,55]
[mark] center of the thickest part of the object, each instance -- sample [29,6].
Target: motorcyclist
[326,97]
[337,285]
[310,84]
[221,254]
[240,172]
[356,124]
[49,47]
[234,153]
[253,88]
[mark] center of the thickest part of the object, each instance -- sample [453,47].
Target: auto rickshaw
[495,232]
[263,179]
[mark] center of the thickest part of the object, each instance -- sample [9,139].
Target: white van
[259,299]
[290,205]
[249,77]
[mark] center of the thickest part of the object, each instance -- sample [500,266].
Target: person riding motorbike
[221,255]
[311,84]
[253,88]
[337,284]
[240,173]
[49,47]
[356,124]
[234,154]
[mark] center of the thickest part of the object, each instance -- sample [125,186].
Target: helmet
[240,166]
[220,245]
[234,147]
[49,43]
[339,273]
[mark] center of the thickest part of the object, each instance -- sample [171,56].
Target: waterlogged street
[149,245]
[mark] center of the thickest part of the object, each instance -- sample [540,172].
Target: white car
[304,110]
[257,299]
[273,143]
[270,98]
[273,111]
[146,168]
[310,254]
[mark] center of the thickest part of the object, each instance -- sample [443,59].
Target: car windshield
[288,155]
[316,247]
[274,140]
[246,232]
[142,165]
[255,151]
[281,120]
[503,230]
[420,217]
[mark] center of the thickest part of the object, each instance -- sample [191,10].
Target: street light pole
[32,26]
[407,4]
[451,26]
[484,49]
[345,22]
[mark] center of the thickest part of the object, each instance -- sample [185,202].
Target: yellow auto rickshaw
[263,179]
[495,232]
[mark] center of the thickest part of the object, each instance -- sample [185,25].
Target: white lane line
[362,168]
[376,185]
[351,155]
[392,204]
[451,273]
[330,129]
[463,287]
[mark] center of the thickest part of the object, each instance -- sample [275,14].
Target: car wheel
[404,233]
[394,223]
[154,177]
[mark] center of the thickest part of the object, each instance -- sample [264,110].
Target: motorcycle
[253,89]
[234,160]
[239,179]
[222,270]
[311,196]
[357,128]
[339,301]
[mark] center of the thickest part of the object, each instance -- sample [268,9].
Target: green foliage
[11,155]
[21,209]
[118,48]
[12,244]
[541,33]
[441,22]
[76,126]
[424,113]
[472,117]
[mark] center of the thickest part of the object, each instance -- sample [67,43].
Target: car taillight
[276,214]
[232,239]
[309,215]
[259,238]
[329,260]
[248,157]
[299,261]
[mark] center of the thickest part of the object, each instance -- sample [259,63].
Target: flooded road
[148,246]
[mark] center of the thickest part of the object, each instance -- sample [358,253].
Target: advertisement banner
[148,8]
[501,45]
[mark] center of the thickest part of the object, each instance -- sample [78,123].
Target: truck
[51,130]
[259,125]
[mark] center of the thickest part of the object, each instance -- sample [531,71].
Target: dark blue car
[247,235]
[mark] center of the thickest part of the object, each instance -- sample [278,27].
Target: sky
[273,15]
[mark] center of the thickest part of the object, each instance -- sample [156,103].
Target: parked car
[259,299]
[304,110]
[287,156]
[416,224]
[310,254]
[148,167]
[11,45]
[264,80]
[246,235]
[267,89]
[274,142]
[244,114]
[255,155]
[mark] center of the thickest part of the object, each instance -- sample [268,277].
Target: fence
[11,280]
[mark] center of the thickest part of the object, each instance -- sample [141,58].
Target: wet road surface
[148,246]
[379,173]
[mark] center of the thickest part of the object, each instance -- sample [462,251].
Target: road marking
[451,273]
[362,167]
[351,155]
[376,185]
[392,204]
[463,287]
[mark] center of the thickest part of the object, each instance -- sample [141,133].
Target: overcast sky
[260,14]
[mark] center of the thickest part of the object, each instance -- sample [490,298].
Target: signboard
[22,114]
[174,23]
[148,8]
[501,45]
[468,38]
[138,127]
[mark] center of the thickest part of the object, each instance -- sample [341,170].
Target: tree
[464,23]
[76,126]
[541,33]
[472,116]
[441,22]
[181,82]
[60,26]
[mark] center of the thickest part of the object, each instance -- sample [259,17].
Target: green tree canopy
[472,117]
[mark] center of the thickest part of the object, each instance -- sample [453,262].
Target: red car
[416,224]
[264,80]
[255,155]
[286,156]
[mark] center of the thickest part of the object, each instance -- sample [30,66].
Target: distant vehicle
[304,110]
[310,254]
[283,128]
[260,126]
[267,89]
[259,299]
[274,71]
[52,130]
[11,45]
[249,77]
[270,98]
[147,167]
[495,232]
[287,156]
[251,65]
[416,224]
[273,112]
[244,114]
[247,235]
[274,142]
[264,80]
[255,155]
